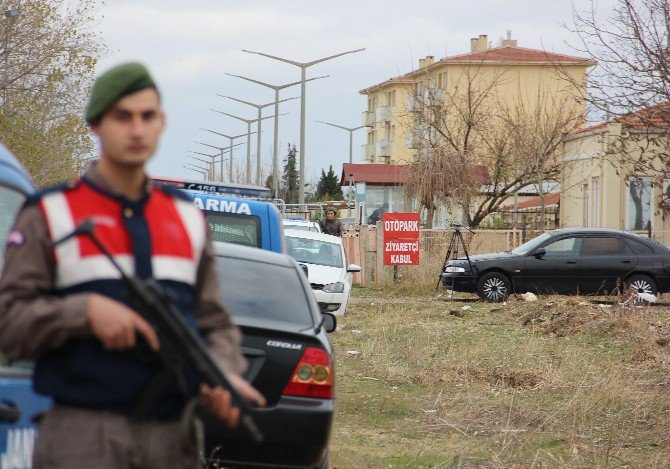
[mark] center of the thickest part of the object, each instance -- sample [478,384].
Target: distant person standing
[378,214]
[330,225]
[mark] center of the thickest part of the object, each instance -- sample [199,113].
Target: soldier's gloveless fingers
[148,332]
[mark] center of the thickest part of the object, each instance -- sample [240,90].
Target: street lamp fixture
[231,138]
[249,122]
[275,155]
[351,131]
[259,107]
[303,66]
[222,150]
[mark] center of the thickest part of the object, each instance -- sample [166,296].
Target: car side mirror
[353,268]
[539,253]
[329,322]
[305,270]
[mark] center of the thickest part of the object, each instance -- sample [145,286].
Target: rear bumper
[459,282]
[296,433]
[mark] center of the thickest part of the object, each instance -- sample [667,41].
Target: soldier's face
[130,129]
[330,215]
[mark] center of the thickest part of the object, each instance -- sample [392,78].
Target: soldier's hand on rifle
[219,402]
[116,325]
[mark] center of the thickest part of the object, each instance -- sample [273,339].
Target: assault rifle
[180,346]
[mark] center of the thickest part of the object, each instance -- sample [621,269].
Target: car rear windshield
[259,290]
[234,228]
[313,251]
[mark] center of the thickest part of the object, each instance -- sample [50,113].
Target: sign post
[401,239]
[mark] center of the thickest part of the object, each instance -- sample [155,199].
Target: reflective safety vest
[160,236]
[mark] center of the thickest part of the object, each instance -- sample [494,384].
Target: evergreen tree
[329,187]
[289,180]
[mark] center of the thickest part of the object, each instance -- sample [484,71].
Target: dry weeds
[562,382]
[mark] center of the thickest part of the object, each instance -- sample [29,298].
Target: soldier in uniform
[65,306]
[330,225]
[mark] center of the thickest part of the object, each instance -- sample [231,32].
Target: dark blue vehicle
[19,405]
[233,218]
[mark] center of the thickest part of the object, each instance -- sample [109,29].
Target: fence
[364,248]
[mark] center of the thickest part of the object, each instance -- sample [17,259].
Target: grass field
[561,382]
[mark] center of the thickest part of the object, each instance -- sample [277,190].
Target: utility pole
[275,155]
[303,67]
[259,107]
[351,131]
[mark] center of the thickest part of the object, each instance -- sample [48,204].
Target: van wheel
[494,287]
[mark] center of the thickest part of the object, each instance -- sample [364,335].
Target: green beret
[114,84]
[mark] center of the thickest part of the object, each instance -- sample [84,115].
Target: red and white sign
[401,238]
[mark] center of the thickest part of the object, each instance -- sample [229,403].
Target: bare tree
[631,84]
[476,149]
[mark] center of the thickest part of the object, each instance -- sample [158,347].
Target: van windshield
[10,202]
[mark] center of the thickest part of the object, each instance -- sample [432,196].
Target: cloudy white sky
[190,46]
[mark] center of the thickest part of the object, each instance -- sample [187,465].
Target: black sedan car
[290,362]
[566,261]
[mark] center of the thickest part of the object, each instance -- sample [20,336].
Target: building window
[585,205]
[595,188]
[638,204]
[387,131]
[392,132]
[442,80]
[418,88]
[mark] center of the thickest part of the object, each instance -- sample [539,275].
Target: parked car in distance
[327,269]
[19,404]
[591,261]
[290,362]
[301,225]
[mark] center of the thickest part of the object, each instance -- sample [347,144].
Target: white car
[327,270]
[300,224]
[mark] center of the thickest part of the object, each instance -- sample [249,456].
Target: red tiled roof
[382,174]
[535,202]
[518,54]
[394,174]
[506,54]
[653,116]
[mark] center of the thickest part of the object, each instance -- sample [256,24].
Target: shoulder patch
[38,195]
[173,192]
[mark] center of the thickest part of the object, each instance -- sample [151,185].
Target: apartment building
[512,74]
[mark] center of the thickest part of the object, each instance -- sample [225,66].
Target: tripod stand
[452,253]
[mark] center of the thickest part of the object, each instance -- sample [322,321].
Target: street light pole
[197,169]
[351,131]
[275,155]
[249,122]
[210,163]
[303,66]
[231,138]
[221,149]
[259,107]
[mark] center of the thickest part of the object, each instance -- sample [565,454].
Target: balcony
[414,104]
[368,152]
[382,114]
[368,118]
[411,141]
[383,149]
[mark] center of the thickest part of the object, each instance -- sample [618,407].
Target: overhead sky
[190,46]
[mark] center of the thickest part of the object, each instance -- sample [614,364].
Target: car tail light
[313,377]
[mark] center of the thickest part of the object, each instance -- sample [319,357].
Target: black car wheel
[642,284]
[493,286]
